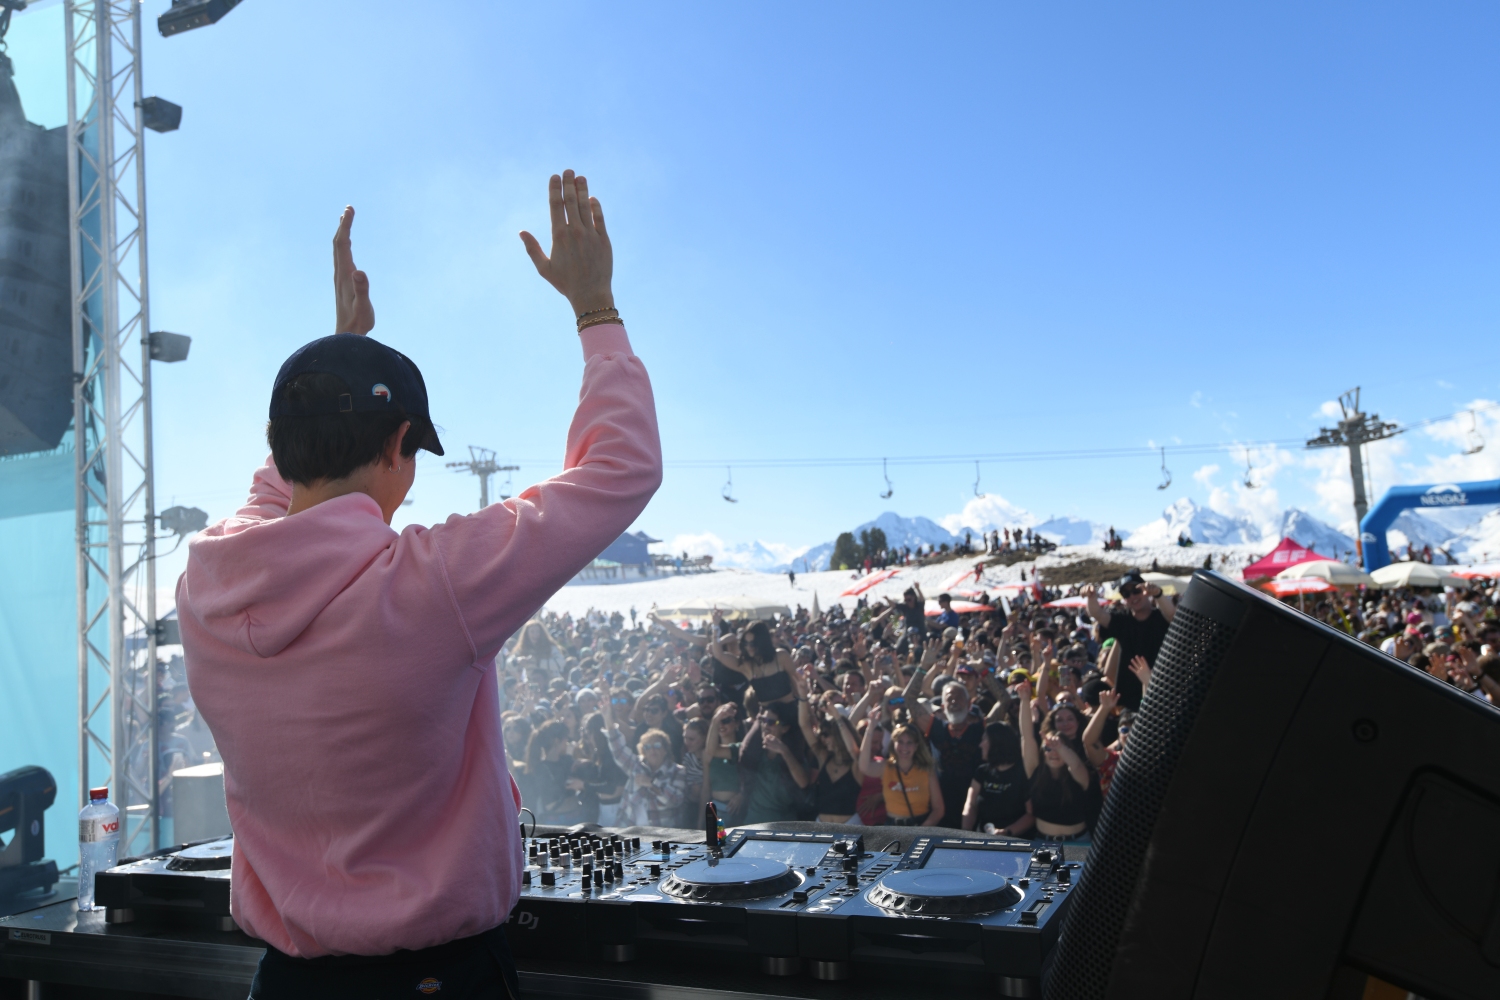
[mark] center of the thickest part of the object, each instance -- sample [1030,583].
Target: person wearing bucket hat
[347,669]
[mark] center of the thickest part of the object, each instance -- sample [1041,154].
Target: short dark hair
[307,449]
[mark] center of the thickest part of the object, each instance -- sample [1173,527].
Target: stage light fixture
[185,15]
[160,115]
[169,347]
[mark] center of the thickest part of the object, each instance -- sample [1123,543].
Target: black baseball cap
[378,378]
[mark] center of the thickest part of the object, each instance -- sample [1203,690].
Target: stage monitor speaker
[36,319]
[1294,809]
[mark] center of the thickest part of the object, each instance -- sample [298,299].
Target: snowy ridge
[1471,535]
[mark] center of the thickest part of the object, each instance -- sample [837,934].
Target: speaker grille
[1180,679]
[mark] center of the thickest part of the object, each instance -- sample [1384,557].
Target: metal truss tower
[117,679]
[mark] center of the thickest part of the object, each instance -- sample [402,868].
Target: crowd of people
[1009,720]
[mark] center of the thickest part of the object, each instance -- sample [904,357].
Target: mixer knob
[546,861]
[619,870]
[840,848]
[1064,876]
[549,878]
[609,875]
[666,848]
[812,870]
[799,896]
[635,843]
[850,864]
[531,850]
[1023,882]
[526,876]
[656,871]
[852,880]
[599,879]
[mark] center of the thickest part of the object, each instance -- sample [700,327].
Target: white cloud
[1330,409]
[987,513]
[1205,475]
[1196,399]
[1478,427]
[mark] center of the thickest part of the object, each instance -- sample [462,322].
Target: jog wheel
[728,879]
[210,857]
[943,892]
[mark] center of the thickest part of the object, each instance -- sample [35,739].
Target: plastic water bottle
[98,842]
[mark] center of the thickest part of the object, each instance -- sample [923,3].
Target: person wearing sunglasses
[1140,628]
[655,783]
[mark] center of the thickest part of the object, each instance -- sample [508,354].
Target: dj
[347,670]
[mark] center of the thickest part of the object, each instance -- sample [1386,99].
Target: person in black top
[999,793]
[956,737]
[1138,630]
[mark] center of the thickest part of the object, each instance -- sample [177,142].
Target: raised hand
[353,312]
[1141,669]
[1108,699]
[582,262]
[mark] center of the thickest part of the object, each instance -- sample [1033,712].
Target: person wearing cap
[1140,629]
[347,670]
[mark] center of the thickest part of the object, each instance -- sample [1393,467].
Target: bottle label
[93,831]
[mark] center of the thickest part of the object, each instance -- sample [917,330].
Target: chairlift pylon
[889,489]
[1166,474]
[728,490]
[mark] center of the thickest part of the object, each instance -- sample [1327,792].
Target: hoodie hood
[257,584]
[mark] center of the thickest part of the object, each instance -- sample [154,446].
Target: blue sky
[846,230]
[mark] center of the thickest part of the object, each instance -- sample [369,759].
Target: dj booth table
[55,951]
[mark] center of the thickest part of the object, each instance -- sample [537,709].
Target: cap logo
[380,389]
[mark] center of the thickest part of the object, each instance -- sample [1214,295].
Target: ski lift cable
[1047,455]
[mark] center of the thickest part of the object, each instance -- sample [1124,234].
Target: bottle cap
[96,794]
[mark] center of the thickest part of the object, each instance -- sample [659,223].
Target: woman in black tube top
[768,669]
[836,787]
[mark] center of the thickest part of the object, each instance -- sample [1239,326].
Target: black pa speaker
[1294,809]
[36,318]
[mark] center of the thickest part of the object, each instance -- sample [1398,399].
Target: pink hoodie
[348,675]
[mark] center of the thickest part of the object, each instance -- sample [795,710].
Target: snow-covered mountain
[1317,535]
[766,557]
[1199,523]
[899,532]
[1074,531]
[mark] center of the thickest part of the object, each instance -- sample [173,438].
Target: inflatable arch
[1398,498]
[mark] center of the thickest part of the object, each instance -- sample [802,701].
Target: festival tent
[1414,574]
[869,580]
[1337,573]
[1288,552]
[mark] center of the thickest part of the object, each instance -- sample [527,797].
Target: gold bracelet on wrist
[605,316]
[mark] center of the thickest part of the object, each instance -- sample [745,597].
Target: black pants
[472,968]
